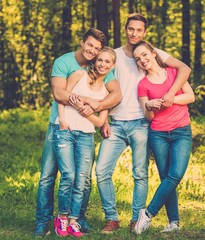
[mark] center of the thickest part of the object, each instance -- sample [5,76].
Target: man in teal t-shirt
[93,40]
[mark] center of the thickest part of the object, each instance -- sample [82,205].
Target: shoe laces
[64,224]
[76,226]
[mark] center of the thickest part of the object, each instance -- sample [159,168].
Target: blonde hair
[92,71]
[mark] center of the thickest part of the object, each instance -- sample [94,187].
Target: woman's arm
[146,108]
[187,96]
[99,120]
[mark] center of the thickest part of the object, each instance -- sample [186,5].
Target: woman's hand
[154,104]
[76,102]
[64,125]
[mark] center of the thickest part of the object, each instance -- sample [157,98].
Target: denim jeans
[172,152]
[123,133]
[45,195]
[49,169]
[75,153]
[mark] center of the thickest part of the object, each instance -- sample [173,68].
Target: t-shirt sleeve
[60,68]
[109,77]
[163,55]
[142,91]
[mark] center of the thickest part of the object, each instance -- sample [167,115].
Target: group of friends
[144,91]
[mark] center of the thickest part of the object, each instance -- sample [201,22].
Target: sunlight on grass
[20,174]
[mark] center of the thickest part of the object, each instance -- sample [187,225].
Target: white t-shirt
[75,120]
[128,75]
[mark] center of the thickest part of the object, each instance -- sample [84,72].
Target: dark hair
[138,17]
[151,48]
[97,34]
[92,72]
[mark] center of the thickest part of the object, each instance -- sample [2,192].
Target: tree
[66,35]
[186,32]
[116,20]
[198,42]
[102,16]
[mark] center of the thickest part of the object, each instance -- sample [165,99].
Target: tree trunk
[102,16]
[66,27]
[185,32]
[116,20]
[198,43]
[163,13]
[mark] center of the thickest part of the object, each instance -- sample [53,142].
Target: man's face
[135,31]
[90,48]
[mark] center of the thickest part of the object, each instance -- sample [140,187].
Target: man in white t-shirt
[128,126]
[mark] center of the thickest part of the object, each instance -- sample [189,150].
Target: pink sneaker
[60,226]
[74,229]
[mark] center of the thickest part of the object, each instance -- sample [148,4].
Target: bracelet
[149,109]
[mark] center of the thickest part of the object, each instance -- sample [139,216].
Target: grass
[21,143]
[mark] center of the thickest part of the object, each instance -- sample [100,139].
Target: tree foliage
[35,32]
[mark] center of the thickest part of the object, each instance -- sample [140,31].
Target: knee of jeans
[66,176]
[103,176]
[47,178]
[175,179]
[140,173]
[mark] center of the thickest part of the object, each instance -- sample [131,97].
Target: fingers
[73,98]
[86,110]
[105,131]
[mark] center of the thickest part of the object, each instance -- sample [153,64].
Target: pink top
[169,118]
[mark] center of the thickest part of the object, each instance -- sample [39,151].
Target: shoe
[110,227]
[173,226]
[85,228]
[132,226]
[74,229]
[42,230]
[60,226]
[143,222]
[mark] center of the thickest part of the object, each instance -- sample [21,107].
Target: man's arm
[113,98]
[58,85]
[182,76]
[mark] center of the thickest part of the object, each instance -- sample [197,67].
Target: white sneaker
[171,227]
[143,222]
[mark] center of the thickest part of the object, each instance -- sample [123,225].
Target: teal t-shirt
[63,67]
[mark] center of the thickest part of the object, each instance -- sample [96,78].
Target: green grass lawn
[22,136]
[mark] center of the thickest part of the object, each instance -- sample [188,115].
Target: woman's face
[144,57]
[104,62]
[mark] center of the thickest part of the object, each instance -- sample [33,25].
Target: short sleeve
[109,77]
[142,91]
[163,55]
[60,69]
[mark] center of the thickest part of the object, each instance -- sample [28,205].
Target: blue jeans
[45,195]
[123,133]
[171,152]
[75,153]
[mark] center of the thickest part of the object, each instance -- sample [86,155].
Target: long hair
[151,48]
[92,71]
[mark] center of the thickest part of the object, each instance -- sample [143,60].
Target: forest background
[35,32]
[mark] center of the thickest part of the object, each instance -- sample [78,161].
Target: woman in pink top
[170,136]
